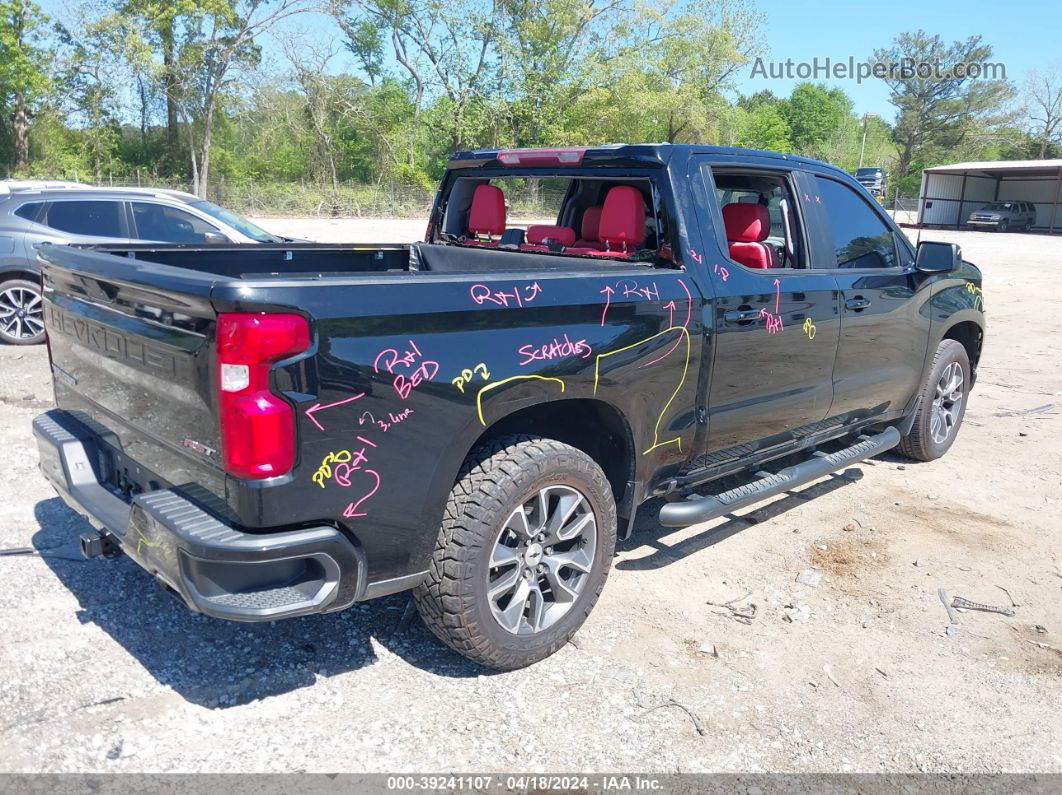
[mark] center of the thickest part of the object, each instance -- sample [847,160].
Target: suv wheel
[1028,225]
[1004,225]
[21,312]
[523,553]
[941,405]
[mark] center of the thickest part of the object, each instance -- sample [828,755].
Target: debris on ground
[966,604]
[743,614]
[810,577]
[671,702]
[1025,412]
[946,601]
[709,649]
[1011,598]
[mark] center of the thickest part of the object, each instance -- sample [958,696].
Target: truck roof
[649,154]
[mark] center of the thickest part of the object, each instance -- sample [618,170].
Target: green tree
[815,115]
[23,76]
[943,110]
[765,128]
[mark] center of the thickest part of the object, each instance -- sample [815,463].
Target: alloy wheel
[947,403]
[21,313]
[541,560]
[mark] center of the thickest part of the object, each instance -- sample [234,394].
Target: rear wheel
[523,553]
[1028,225]
[941,405]
[21,312]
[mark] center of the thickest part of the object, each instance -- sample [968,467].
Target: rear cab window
[600,213]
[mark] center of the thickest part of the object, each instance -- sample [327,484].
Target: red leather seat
[487,213]
[590,228]
[747,226]
[540,236]
[622,227]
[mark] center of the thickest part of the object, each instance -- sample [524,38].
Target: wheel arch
[971,336]
[18,272]
[593,426]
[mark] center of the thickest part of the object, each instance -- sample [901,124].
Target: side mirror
[933,257]
[214,238]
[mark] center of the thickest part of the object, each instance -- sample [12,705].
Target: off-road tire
[497,477]
[919,443]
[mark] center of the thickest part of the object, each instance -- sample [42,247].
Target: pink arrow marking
[318,407]
[608,291]
[670,305]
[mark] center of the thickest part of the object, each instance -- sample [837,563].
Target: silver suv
[1003,216]
[33,212]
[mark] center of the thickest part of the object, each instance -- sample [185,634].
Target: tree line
[199,92]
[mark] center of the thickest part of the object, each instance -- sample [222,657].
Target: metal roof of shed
[1003,168]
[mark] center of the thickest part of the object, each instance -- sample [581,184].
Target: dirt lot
[103,672]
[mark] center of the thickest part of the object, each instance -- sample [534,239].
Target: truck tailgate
[131,351]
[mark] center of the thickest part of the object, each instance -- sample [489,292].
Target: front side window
[861,239]
[93,218]
[159,222]
[237,222]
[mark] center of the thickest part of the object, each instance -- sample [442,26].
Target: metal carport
[950,193]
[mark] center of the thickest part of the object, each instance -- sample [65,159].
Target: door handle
[857,303]
[741,315]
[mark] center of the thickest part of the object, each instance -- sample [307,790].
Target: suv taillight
[257,427]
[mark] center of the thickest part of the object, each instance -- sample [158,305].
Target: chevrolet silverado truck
[288,429]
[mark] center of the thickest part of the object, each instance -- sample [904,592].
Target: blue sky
[1024,36]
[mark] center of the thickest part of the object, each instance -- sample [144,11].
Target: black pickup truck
[288,429]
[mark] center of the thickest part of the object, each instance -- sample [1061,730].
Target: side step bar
[697,509]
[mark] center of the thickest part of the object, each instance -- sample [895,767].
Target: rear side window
[95,218]
[160,222]
[28,211]
[860,238]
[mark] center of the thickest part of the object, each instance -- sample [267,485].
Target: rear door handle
[740,315]
[857,303]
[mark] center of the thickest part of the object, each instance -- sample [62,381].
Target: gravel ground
[103,672]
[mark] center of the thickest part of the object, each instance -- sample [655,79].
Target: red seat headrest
[541,233]
[746,223]
[591,223]
[487,214]
[623,218]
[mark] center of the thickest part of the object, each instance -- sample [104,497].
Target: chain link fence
[526,198]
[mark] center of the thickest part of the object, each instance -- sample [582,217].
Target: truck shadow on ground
[217,663]
[648,530]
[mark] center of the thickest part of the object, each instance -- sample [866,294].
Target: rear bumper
[212,567]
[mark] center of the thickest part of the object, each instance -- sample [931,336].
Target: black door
[776,329]
[883,331]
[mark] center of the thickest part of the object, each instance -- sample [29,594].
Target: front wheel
[1004,225]
[941,405]
[523,553]
[21,312]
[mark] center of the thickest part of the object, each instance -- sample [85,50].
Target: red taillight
[257,427]
[541,157]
